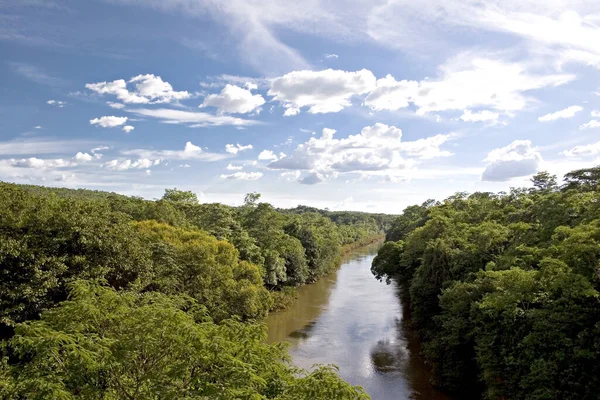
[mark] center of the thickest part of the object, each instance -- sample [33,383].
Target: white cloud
[250,83]
[595,113]
[118,106]
[586,150]
[594,123]
[116,165]
[331,56]
[568,112]
[244,176]
[390,94]
[267,155]
[291,175]
[466,81]
[190,152]
[56,103]
[375,148]
[37,127]
[128,128]
[323,91]
[515,160]
[184,166]
[148,89]
[484,115]
[99,148]
[236,148]
[37,163]
[561,28]
[194,119]
[234,99]
[108,121]
[231,167]
[83,157]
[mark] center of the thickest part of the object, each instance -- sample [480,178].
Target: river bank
[283,299]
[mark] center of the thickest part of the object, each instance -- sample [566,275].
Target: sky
[347,105]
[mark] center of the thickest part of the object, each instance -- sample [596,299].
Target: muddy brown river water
[352,320]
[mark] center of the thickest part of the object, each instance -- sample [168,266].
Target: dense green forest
[503,288]
[104,296]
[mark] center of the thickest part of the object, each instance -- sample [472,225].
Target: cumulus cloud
[323,91]
[485,115]
[38,163]
[585,150]
[56,103]
[390,94]
[236,148]
[331,56]
[595,113]
[128,128]
[267,155]
[568,112]
[190,152]
[235,100]
[142,163]
[83,157]
[515,160]
[243,176]
[193,119]
[231,167]
[375,148]
[147,89]
[594,123]
[108,121]
[466,81]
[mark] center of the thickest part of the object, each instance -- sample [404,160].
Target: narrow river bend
[352,320]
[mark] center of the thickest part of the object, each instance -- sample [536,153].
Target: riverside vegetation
[503,288]
[104,296]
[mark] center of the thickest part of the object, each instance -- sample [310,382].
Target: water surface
[352,320]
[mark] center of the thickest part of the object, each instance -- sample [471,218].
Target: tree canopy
[504,288]
[104,296]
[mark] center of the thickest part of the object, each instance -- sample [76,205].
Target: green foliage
[101,344]
[47,242]
[180,196]
[164,295]
[206,269]
[504,287]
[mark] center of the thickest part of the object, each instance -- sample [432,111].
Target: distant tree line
[104,296]
[503,288]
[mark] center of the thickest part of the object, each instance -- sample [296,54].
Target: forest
[104,296]
[503,288]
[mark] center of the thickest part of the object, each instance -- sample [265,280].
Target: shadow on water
[352,320]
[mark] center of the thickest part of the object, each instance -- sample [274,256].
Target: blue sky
[362,105]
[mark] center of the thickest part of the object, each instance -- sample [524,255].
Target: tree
[503,288]
[110,345]
[543,181]
[583,179]
[180,196]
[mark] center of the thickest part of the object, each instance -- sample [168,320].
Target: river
[352,320]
